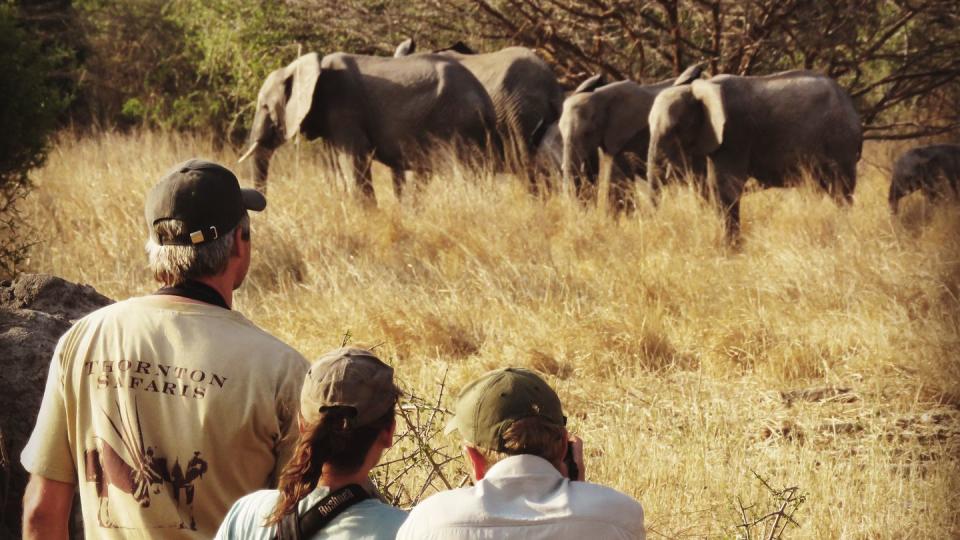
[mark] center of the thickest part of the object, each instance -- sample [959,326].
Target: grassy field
[822,354]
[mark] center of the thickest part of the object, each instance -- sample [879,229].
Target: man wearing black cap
[163,410]
[527,486]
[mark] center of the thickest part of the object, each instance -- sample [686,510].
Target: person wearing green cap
[516,446]
[347,421]
[162,410]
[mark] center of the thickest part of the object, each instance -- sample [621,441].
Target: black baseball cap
[204,195]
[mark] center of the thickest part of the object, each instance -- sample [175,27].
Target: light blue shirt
[369,519]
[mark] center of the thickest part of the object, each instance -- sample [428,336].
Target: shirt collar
[523,464]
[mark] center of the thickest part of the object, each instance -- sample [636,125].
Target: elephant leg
[531,173]
[605,176]
[728,176]
[621,195]
[928,184]
[363,175]
[621,175]
[848,181]
[655,187]
[398,180]
[729,198]
[839,179]
[588,181]
[945,184]
[655,183]
[932,191]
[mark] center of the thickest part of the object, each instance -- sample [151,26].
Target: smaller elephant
[395,110]
[767,127]
[921,168]
[612,119]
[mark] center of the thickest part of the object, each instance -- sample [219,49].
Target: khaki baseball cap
[348,377]
[204,195]
[489,405]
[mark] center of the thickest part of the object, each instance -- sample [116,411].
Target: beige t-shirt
[165,412]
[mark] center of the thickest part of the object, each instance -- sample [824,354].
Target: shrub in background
[196,65]
[28,114]
[182,64]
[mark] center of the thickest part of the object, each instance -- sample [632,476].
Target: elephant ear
[689,75]
[459,48]
[406,48]
[715,116]
[591,84]
[300,81]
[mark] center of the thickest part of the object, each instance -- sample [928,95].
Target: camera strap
[295,526]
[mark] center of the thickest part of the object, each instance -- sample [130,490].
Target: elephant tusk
[247,153]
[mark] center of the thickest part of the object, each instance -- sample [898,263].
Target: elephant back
[524,90]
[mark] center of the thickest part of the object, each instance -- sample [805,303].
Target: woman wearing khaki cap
[347,409]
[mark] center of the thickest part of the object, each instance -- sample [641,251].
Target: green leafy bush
[28,114]
[185,64]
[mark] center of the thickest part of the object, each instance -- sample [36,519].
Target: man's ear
[238,239]
[478,463]
[387,434]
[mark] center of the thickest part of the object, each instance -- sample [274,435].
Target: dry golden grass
[822,354]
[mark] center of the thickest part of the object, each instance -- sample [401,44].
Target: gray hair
[172,265]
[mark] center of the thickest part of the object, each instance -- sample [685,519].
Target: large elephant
[526,94]
[921,168]
[763,127]
[392,109]
[612,119]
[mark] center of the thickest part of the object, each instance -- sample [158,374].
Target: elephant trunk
[264,140]
[894,198]
[581,164]
[654,166]
[261,166]
[567,166]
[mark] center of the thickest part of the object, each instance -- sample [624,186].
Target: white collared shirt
[525,497]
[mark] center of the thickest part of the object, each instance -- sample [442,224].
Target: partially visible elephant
[394,110]
[612,119]
[765,127]
[526,94]
[922,168]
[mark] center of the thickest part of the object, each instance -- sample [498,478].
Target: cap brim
[253,199]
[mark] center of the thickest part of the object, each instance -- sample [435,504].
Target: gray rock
[35,310]
[51,295]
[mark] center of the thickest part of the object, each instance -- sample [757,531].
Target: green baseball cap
[348,377]
[204,195]
[489,405]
